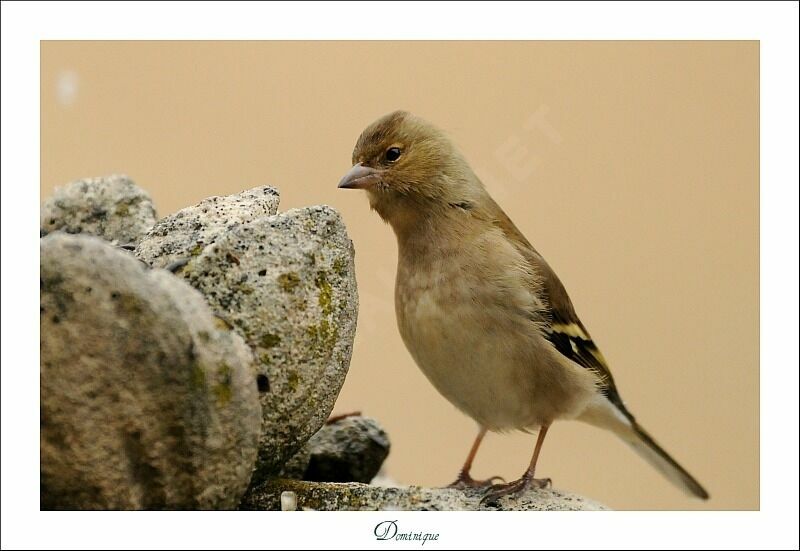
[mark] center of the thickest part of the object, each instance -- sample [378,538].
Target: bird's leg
[464,480]
[526,481]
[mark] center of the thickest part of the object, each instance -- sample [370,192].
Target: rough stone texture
[188,231]
[329,496]
[286,282]
[111,207]
[351,449]
[147,400]
[295,467]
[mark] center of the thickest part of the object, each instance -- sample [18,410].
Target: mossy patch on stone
[222,323]
[293,380]
[288,281]
[244,288]
[198,376]
[222,390]
[269,340]
[128,304]
[340,266]
[323,335]
[325,293]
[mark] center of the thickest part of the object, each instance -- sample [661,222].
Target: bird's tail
[643,444]
[608,416]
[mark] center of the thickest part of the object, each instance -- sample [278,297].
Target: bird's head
[409,167]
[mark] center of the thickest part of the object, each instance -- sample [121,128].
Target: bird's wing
[564,329]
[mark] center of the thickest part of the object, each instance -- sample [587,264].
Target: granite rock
[148,401]
[286,283]
[111,207]
[350,449]
[187,232]
[331,496]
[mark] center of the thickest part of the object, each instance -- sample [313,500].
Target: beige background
[632,166]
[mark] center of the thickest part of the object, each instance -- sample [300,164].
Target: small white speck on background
[67,87]
[288,501]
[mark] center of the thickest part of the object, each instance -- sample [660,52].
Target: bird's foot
[525,483]
[465,481]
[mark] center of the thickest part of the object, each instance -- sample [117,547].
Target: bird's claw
[497,491]
[465,481]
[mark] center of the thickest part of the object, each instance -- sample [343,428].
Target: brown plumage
[481,312]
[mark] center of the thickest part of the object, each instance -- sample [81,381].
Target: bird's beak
[360,177]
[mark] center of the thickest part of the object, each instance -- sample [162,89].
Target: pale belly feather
[475,345]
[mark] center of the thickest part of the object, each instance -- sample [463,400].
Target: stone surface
[147,399]
[111,207]
[329,496]
[188,231]
[351,449]
[295,467]
[286,282]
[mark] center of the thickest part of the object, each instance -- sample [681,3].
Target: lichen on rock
[286,282]
[111,207]
[187,232]
[331,496]
[146,402]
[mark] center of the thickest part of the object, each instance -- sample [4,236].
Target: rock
[286,282]
[330,496]
[295,467]
[147,400]
[351,449]
[111,207]
[189,230]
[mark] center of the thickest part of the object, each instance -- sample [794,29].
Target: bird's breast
[467,316]
[462,346]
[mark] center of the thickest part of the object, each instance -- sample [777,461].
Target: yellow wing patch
[571,330]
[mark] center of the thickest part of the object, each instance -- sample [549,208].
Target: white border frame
[775,24]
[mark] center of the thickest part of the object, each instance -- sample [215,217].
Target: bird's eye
[392,154]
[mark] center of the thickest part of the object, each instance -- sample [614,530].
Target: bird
[481,312]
